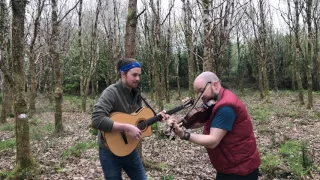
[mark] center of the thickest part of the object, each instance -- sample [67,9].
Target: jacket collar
[125,89]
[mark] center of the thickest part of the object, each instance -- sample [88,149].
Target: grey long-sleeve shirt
[115,98]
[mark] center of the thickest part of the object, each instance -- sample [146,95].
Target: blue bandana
[127,67]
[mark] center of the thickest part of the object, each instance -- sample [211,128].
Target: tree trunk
[263,36]
[94,55]
[81,59]
[24,160]
[273,62]
[167,64]
[189,43]
[298,49]
[116,49]
[7,97]
[240,64]
[33,85]
[156,54]
[178,57]
[309,55]
[289,49]
[260,75]
[32,65]
[293,63]
[131,26]
[207,57]
[316,59]
[4,28]
[275,79]
[55,56]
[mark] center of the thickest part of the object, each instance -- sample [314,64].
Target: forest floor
[281,127]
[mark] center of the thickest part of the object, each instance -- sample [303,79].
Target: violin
[198,114]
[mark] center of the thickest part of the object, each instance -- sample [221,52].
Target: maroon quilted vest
[237,153]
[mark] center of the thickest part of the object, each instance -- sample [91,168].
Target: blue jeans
[112,165]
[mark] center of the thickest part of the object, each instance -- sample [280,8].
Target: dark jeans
[252,176]
[112,165]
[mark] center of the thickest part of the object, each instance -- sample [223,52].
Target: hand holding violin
[176,127]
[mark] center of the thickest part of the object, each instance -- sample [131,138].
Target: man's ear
[121,74]
[214,85]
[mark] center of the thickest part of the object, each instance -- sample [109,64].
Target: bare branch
[69,12]
[168,13]
[141,12]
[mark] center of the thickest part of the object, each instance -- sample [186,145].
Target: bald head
[206,77]
[207,86]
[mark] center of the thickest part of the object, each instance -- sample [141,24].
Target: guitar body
[115,140]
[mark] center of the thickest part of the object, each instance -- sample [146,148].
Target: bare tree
[81,58]
[258,20]
[148,44]
[316,59]
[309,54]
[87,68]
[207,57]
[131,27]
[94,50]
[298,50]
[168,60]
[177,58]
[157,52]
[240,62]
[24,159]
[272,53]
[32,57]
[262,47]
[55,57]
[289,18]
[4,61]
[189,43]
[110,42]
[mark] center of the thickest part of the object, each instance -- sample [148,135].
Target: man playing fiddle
[228,133]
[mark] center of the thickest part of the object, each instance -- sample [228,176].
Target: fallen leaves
[178,159]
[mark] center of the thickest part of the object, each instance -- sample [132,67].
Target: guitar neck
[158,117]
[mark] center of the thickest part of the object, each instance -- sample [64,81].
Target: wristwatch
[186,135]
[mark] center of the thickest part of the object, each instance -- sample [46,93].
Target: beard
[215,97]
[134,84]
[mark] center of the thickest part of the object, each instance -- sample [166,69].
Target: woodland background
[57,54]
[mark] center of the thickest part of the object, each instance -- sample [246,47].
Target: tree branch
[68,12]
[141,12]
[168,13]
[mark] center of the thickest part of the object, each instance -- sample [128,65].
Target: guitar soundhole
[142,125]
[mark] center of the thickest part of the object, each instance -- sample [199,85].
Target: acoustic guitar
[122,144]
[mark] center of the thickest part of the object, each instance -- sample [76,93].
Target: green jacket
[115,98]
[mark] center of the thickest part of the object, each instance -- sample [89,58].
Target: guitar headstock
[187,102]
